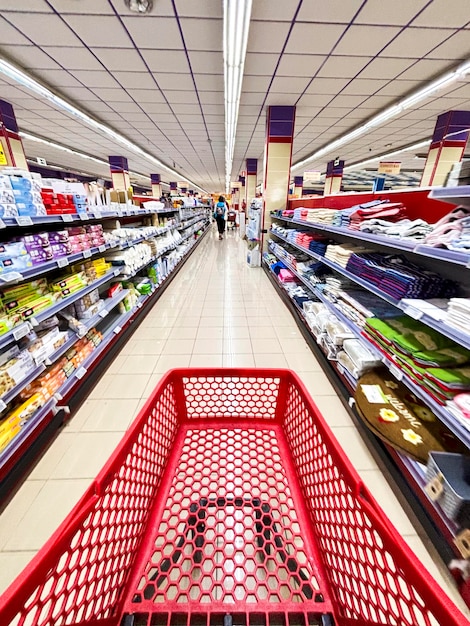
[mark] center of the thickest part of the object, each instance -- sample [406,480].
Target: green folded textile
[457,378]
[401,419]
[410,335]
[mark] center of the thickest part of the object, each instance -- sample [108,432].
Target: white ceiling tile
[40,6]
[208,97]
[209,82]
[96,79]
[154,32]
[73,58]
[443,13]
[30,57]
[102,31]
[333,11]
[299,65]
[385,68]
[331,86]
[293,86]
[256,83]
[121,59]
[418,40]
[164,60]
[177,82]
[192,109]
[184,97]
[426,69]
[57,78]
[127,108]
[347,101]
[398,87]
[456,47]
[278,11]
[364,86]
[342,67]
[267,36]
[206,62]
[135,80]
[111,95]
[284,99]
[380,12]
[38,27]
[314,38]
[10,35]
[158,110]
[263,64]
[86,7]
[366,40]
[203,34]
[189,8]
[145,95]
[315,100]
[79,94]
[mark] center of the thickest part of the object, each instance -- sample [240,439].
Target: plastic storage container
[228,503]
[448,477]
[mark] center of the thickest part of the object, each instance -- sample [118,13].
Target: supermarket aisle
[217,312]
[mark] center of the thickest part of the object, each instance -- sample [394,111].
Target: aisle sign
[311,177]
[389,167]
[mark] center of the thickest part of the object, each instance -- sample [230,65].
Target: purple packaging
[38,240]
[58,236]
[41,255]
[61,249]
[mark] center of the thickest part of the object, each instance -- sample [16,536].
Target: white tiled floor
[216,312]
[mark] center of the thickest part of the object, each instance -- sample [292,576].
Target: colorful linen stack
[398,278]
[317,216]
[450,230]
[389,211]
[416,230]
[340,254]
[458,314]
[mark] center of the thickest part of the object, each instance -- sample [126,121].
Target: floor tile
[208,346]
[169,361]
[127,386]
[266,346]
[179,346]
[237,346]
[12,516]
[303,362]
[262,332]
[354,447]
[45,468]
[206,360]
[12,564]
[210,332]
[317,383]
[238,360]
[110,415]
[116,364]
[188,332]
[238,332]
[211,322]
[48,510]
[333,410]
[139,364]
[154,346]
[270,360]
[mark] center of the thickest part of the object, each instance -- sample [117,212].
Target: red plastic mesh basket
[228,503]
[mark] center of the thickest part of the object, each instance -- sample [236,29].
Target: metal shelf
[11,395]
[454,195]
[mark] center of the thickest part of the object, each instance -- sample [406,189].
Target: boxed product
[5,182]
[61,249]
[14,371]
[6,325]
[7,196]
[36,306]
[8,209]
[8,436]
[41,255]
[29,209]
[37,240]
[12,249]
[70,284]
[20,184]
[16,264]
[39,286]
[58,236]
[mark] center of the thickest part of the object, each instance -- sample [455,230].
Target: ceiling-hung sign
[389,167]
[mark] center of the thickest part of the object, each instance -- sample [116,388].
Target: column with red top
[298,186]
[447,146]
[241,180]
[173,188]
[280,123]
[334,177]
[250,179]
[11,147]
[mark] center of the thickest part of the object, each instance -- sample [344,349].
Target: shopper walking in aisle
[220,215]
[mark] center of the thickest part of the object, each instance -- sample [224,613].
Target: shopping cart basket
[228,503]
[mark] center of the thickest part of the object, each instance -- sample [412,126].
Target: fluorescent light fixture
[388,155]
[440,83]
[82,155]
[237,14]
[25,80]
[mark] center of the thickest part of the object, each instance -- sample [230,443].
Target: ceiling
[158,80]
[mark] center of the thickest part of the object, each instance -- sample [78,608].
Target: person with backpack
[220,215]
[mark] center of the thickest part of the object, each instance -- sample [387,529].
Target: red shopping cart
[228,503]
[231,219]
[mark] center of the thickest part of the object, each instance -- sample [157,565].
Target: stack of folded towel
[340,254]
[389,211]
[458,314]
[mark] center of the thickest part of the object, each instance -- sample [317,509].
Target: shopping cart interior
[228,503]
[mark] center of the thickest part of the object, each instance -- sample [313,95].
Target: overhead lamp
[415,98]
[139,6]
[237,15]
[388,155]
[33,85]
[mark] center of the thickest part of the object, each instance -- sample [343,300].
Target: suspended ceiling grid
[158,79]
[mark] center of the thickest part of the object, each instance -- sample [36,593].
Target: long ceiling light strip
[237,15]
[23,79]
[415,146]
[440,83]
[82,155]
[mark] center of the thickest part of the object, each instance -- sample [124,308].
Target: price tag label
[340,368]
[80,373]
[103,313]
[10,277]
[86,254]
[24,220]
[102,248]
[63,262]
[33,321]
[21,331]
[395,372]
[67,217]
[2,224]
[351,402]
[97,214]
[58,396]
[84,216]
[3,406]
[416,314]
[117,330]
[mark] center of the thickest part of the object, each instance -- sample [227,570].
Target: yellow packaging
[7,437]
